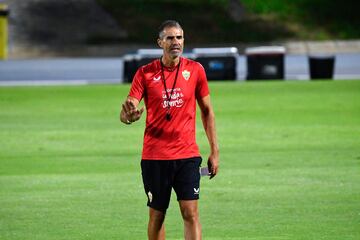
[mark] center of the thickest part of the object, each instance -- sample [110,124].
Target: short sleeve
[202,88]
[137,87]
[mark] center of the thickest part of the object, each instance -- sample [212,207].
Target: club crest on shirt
[186,74]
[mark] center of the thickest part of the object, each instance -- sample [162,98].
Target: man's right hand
[130,113]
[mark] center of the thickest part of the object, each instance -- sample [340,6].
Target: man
[170,87]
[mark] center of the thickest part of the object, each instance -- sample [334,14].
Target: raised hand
[130,110]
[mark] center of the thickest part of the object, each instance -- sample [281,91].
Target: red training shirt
[174,139]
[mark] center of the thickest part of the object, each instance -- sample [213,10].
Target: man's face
[172,42]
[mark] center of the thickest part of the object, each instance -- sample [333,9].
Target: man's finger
[213,168]
[141,110]
[131,104]
[128,106]
[212,175]
[214,171]
[137,113]
[210,167]
[125,108]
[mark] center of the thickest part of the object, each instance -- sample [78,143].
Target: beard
[175,53]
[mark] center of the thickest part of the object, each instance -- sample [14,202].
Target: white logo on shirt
[175,98]
[156,78]
[186,74]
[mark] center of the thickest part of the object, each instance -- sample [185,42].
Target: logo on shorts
[150,196]
[196,191]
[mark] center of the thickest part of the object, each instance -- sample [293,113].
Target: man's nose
[175,41]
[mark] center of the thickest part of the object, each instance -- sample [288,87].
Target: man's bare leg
[156,227]
[190,213]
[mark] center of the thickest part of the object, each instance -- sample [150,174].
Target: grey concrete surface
[67,71]
[79,71]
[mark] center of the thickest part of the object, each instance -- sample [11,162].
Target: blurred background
[94,29]
[76,27]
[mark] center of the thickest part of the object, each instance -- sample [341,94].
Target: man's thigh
[157,184]
[187,179]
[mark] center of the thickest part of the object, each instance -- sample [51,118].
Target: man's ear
[159,42]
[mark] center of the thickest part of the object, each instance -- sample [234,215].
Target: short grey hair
[167,24]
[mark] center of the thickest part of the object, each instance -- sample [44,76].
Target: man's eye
[172,37]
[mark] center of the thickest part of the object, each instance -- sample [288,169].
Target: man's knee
[189,212]
[156,216]
[190,216]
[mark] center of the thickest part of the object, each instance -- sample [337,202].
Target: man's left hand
[213,164]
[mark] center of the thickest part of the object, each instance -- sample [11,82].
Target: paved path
[67,71]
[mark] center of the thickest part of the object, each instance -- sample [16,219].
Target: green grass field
[290,164]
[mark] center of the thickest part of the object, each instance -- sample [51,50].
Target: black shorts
[160,176]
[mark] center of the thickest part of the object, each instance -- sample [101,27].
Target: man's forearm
[208,119]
